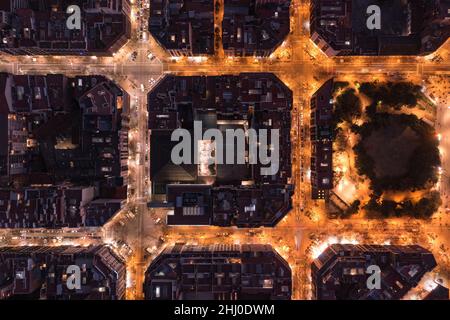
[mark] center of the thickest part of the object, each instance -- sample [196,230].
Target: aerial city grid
[224,149]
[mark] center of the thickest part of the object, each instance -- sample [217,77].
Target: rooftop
[218,272]
[37,272]
[255,27]
[62,134]
[39,27]
[322,140]
[408,27]
[340,272]
[221,193]
[184,27]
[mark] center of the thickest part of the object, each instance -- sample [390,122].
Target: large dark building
[38,27]
[218,272]
[255,27]
[65,145]
[340,272]
[218,193]
[183,27]
[35,272]
[322,141]
[408,27]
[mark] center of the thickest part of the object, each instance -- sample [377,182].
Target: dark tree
[347,106]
